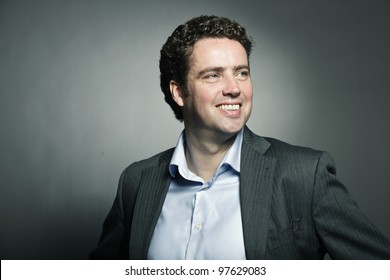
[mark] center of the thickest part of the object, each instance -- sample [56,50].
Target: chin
[233,129]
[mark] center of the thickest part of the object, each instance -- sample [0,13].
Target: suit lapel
[153,188]
[256,184]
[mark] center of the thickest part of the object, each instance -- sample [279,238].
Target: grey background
[80,100]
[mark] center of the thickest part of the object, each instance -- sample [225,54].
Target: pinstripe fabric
[256,192]
[293,207]
[153,187]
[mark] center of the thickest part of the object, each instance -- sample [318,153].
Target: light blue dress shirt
[201,220]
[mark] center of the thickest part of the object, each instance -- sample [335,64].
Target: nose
[231,87]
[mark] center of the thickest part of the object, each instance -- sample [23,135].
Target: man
[224,192]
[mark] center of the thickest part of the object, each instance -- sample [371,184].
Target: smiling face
[218,100]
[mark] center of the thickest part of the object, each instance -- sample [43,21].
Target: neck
[204,154]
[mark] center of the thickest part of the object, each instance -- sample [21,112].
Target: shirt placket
[198,222]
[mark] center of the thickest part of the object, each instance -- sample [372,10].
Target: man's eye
[212,76]
[243,75]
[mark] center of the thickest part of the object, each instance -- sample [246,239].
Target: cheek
[206,95]
[247,91]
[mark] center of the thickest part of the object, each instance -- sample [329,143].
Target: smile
[229,107]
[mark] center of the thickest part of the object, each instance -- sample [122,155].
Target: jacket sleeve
[343,229]
[112,243]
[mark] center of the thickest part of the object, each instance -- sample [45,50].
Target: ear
[177,93]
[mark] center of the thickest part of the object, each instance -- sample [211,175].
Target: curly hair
[174,55]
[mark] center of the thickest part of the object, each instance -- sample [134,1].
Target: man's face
[219,88]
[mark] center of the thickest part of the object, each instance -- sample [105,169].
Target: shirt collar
[178,161]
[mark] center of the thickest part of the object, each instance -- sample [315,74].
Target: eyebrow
[221,69]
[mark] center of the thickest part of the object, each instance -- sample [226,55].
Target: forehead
[217,52]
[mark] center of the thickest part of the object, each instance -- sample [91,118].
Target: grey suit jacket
[292,204]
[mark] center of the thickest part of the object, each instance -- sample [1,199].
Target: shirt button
[198,226]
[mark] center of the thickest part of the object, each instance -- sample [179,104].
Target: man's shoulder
[278,146]
[297,163]
[153,161]
[283,151]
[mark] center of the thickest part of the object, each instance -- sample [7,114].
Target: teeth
[229,107]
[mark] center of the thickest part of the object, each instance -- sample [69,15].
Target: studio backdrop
[80,100]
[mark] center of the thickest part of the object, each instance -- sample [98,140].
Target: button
[198,226]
